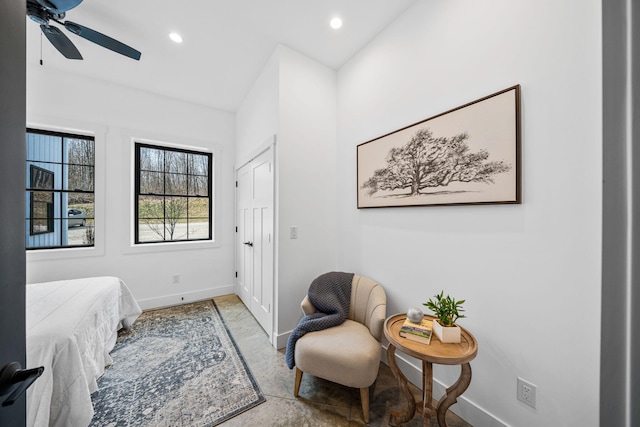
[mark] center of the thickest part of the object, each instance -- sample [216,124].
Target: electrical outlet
[526,392]
[176,279]
[293,232]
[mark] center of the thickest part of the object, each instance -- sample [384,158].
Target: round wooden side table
[435,352]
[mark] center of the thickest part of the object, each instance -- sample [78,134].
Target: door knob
[248,243]
[14,381]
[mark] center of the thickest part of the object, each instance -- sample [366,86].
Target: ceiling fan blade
[61,42]
[102,40]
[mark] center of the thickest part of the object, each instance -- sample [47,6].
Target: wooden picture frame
[467,155]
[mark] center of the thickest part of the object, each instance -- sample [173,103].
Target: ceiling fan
[44,11]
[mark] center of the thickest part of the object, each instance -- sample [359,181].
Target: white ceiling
[226,43]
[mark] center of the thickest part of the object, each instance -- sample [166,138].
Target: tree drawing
[427,161]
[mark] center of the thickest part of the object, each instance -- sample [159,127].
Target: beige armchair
[347,354]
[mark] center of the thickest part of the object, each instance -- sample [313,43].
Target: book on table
[419,332]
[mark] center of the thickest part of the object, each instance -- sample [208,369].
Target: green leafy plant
[446,309]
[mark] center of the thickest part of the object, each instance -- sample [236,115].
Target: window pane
[40,198]
[80,151]
[198,164]
[88,237]
[199,230]
[176,209]
[41,212]
[41,179]
[42,239]
[176,184]
[151,207]
[80,209]
[44,147]
[150,230]
[43,175]
[40,225]
[176,218]
[81,234]
[79,178]
[176,162]
[198,218]
[151,159]
[198,186]
[198,208]
[151,182]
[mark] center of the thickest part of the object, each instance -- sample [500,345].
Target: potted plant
[447,310]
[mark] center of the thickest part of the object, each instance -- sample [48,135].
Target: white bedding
[71,328]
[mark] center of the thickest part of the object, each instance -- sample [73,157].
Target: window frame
[63,164]
[138,144]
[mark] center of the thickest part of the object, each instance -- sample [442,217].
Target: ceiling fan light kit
[45,11]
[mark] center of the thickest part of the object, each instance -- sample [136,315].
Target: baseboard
[464,408]
[185,297]
[281,340]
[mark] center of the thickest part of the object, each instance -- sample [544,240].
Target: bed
[71,327]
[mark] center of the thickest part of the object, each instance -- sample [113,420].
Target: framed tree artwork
[468,155]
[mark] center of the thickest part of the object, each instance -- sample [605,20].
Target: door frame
[268,144]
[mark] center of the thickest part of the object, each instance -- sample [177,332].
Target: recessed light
[175,37]
[336,23]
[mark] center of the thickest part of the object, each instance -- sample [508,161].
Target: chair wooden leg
[364,398]
[296,387]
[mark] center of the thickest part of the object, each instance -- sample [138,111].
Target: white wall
[257,117]
[302,93]
[307,180]
[116,114]
[526,269]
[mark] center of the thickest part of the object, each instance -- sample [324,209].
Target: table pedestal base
[425,407]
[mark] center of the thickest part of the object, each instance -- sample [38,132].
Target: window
[59,190]
[173,194]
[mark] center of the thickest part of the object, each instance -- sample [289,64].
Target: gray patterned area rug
[177,366]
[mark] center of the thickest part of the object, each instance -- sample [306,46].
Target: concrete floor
[320,402]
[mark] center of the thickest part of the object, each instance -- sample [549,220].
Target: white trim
[99,133]
[280,340]
[133,136]
[170,246]
[261,148]
[186,297]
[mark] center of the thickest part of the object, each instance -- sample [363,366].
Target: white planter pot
[446,334]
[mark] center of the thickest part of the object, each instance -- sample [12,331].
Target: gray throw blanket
[330,294]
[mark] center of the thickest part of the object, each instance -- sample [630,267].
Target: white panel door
[244,234]
[255,238]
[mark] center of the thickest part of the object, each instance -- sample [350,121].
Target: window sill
[63,253]
[170,247]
